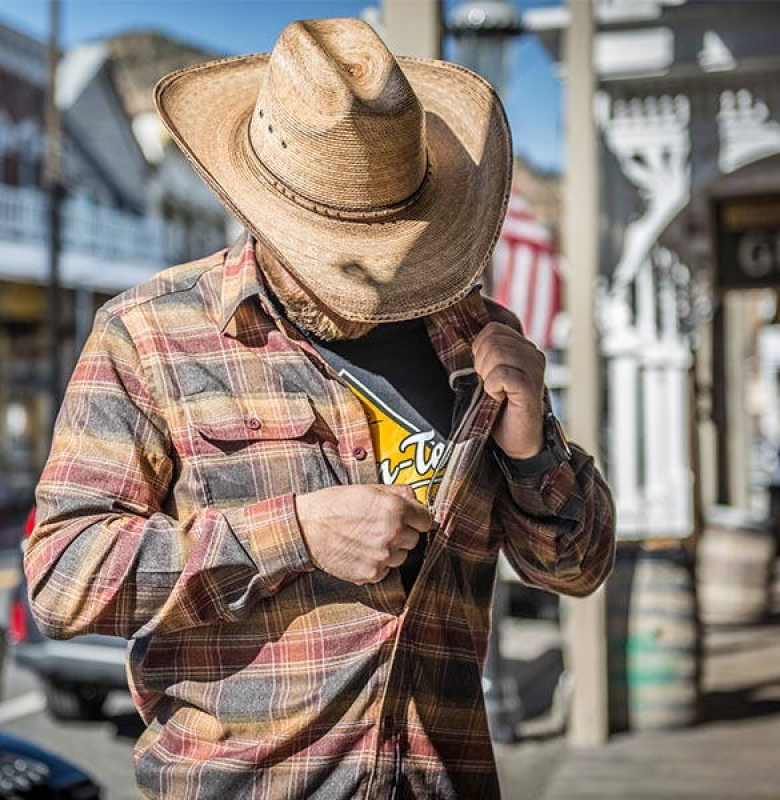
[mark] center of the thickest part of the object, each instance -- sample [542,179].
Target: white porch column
[679,360]
[413,27]
[620,344]
[654,434]
[738,335]
[586,641]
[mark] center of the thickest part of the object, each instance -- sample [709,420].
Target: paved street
[732,754]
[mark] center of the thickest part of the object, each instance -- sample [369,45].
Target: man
[285,471]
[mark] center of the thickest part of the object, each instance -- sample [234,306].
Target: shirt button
[360,453]
[253,423]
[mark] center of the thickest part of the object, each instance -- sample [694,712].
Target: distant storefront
[688,111]
[132,207]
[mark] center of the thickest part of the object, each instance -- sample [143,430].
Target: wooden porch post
[586,646]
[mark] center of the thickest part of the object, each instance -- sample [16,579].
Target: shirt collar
[242,279]
[452,331]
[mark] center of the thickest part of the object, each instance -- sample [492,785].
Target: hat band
[262,170]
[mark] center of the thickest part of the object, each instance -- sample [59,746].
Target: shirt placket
[358,453]
[392,742]
[386,772]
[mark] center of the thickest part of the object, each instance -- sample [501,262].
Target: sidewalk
[733,754]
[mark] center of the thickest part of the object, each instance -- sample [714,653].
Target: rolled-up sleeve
[104,557]
[558,524]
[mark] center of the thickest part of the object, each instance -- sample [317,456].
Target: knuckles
[392,506]
[493,328]
[382,554]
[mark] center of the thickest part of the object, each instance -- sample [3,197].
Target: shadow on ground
[745,703]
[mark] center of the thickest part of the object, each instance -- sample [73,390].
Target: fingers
[418,517]
[397,557]
[389,557]
[407,539]
[497,343]
[378,575]
[398,551]
[414,513]
[522,355]
[495,330]
[402,489]
[510,365]
[504,380]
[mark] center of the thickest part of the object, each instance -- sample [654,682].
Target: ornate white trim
[715,55]
[650,138]
[648,357]
[625,10]
[745,129]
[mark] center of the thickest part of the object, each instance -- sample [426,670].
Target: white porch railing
[91,229]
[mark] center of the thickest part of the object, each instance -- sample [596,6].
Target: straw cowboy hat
[379,182]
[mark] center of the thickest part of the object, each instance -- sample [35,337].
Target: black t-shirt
[403,386]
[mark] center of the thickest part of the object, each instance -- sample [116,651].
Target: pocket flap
[228,418]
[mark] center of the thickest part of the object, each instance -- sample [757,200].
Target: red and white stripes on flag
[527,272]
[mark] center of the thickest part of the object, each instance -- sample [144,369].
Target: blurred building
[133,206]
[527,271]
[689,117]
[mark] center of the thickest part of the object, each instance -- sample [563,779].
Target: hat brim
[422,259]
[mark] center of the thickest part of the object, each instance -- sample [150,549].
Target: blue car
[27,771]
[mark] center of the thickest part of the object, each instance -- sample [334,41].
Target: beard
[301,307]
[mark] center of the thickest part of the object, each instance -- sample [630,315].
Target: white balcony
[103,249]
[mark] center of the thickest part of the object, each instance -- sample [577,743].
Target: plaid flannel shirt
[166,516]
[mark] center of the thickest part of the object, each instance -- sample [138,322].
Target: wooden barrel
[662,652]
[653,652]
[735,565]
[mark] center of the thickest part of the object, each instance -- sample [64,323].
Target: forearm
[559,525]
[125,574]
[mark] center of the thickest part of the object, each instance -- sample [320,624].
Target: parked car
[77,674]
[28,772]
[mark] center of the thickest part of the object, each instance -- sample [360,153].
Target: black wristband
[544,460]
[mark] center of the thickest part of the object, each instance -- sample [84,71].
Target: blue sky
[532,97]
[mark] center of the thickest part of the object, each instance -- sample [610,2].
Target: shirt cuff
[539,485]
[526,467]
[270,532]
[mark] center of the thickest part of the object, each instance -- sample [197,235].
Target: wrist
[553,450]
[524,452]
[516,447]
[301,503]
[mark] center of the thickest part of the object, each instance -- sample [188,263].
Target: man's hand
[512,368]
[359,533]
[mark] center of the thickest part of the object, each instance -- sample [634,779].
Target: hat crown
[336,120]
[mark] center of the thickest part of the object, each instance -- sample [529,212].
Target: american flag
[527,272]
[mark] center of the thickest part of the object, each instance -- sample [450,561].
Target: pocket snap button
[253,423]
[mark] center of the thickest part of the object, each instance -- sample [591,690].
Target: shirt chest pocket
[253,447]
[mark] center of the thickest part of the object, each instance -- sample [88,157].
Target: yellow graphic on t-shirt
[404,453]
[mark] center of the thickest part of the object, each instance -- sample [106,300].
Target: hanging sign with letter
[748,242]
